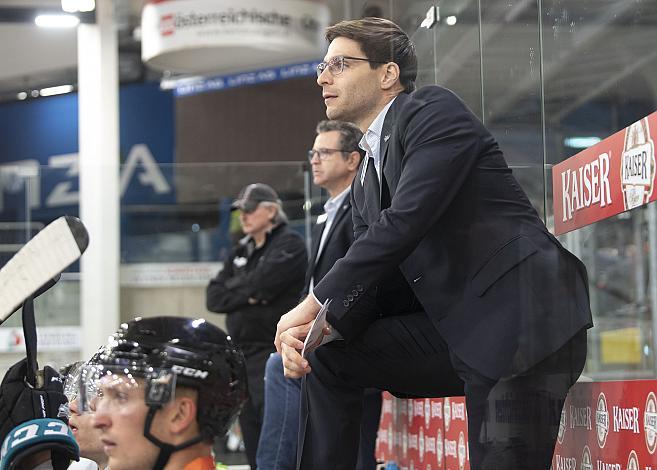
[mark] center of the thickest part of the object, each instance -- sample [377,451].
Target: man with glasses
[453,285]
[261,280]
[334,158]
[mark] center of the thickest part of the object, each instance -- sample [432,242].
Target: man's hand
[302,314]
[291,330]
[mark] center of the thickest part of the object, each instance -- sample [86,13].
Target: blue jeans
[277,448]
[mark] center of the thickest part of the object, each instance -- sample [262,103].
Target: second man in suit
[334,158]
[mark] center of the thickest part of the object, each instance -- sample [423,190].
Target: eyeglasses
[323,153]
[336,64]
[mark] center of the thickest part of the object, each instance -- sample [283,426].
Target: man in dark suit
[334,158]
[453,284]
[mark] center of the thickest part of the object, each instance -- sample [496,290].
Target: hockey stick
[45,256]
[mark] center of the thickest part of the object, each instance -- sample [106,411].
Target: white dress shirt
[330,210]
[371,142]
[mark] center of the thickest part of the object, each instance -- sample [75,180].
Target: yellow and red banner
[613,176]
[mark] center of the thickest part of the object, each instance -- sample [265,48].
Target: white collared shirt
[371,142]
[330,210]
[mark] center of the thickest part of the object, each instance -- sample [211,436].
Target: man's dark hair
[350,135]
[383,41]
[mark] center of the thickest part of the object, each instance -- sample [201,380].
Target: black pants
[512,422]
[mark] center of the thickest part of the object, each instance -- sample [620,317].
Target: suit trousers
[512,422]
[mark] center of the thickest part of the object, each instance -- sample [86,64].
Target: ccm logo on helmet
[189,372]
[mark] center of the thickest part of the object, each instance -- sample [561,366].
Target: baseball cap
[253,194]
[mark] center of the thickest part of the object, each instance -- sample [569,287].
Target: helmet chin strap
[165,449]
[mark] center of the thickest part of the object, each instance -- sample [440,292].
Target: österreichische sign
[201,36]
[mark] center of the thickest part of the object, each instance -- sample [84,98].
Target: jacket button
[350,298]
[355,293]
[360,287]
[345,303]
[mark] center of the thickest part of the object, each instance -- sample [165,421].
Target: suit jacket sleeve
[359,225]
[438,141]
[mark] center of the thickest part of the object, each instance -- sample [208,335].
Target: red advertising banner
[613,176]
[603,426]
[608,426]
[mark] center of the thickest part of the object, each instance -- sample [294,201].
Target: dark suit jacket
[338,241]
[498,286]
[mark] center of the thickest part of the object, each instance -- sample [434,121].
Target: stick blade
[46,255]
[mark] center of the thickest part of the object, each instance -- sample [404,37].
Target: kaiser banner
[613,176]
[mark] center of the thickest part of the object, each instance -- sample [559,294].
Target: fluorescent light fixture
[56,90]
[581,142]
[21,95]
[450,20]
[57,21]
[73,6]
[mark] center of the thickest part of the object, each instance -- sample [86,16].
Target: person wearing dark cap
[262,279]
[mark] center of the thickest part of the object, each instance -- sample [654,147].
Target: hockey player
[167,386]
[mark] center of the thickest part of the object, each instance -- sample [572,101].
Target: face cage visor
[113,386]
[71,389]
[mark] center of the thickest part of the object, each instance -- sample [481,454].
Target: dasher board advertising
[613,176]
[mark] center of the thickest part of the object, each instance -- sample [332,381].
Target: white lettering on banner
[15,176]
[431,445]
[637,165]
[382,436]
[650,423]
[419,408]
[26,173]
[458,411]
[61,194]
[565,463]
[580,417]
[436,410]
[635,168]
[607,466]
[450,448]
[601,420]
[151,176]
[626,419]
[587,185]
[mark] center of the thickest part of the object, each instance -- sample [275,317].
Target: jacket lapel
[342,210]
[391,168]
[316,237]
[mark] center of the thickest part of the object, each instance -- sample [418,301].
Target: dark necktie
[372,191]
